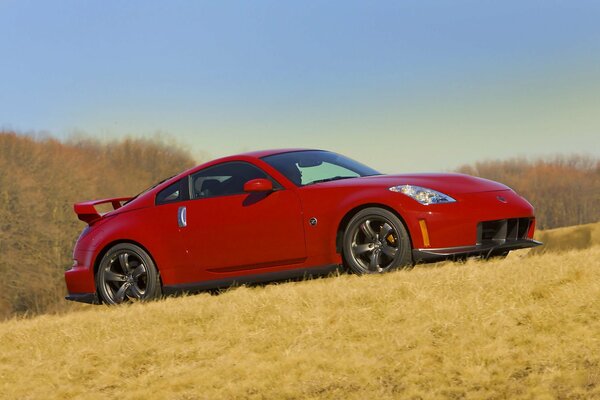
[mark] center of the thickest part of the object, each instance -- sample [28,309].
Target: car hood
[450,184]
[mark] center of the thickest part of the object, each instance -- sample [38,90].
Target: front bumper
[483,250]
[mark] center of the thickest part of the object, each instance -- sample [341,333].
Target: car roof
[265,153]
[235,157]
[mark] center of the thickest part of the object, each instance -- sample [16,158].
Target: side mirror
[258,185]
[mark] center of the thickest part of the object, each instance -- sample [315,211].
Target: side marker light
[424,232]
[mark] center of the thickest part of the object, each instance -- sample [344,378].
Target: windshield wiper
[335,178]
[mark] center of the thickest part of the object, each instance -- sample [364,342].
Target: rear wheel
[127,273]
[376,241]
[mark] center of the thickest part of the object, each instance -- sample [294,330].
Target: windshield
[315,166]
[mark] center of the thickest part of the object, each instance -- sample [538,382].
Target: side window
[225,179]
[172,193]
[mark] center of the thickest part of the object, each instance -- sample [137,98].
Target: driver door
[229,232]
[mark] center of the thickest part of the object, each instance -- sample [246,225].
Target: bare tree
[564,190]
[40,179]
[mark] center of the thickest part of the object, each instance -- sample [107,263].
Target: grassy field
[569,238]
[523,327]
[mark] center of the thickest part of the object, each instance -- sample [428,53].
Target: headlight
[423,195]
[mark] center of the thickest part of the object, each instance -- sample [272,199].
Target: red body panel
[243,234]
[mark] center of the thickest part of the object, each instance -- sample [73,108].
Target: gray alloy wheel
[376,241]
[127,273]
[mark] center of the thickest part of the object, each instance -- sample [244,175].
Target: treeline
[40,179]
[564,190]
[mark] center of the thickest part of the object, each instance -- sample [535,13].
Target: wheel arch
[108,246]
[351,213]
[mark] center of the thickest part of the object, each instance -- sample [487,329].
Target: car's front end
[477,224]
[446,215]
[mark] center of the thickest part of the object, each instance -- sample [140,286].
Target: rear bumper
[484,250]
[80,278]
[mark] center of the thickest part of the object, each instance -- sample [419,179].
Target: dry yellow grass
[523,327]
[568,238]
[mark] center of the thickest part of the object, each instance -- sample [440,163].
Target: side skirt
[90,298]
[256,278]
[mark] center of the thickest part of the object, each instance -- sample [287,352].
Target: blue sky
[399,85]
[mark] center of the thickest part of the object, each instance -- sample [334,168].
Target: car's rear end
[80,276]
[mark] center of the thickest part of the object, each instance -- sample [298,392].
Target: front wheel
[127,273]
[376,241]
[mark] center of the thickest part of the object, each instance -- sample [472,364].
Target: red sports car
[282,214]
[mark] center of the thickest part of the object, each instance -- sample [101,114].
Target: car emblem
[501,199]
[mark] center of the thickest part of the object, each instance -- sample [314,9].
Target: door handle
[182,217]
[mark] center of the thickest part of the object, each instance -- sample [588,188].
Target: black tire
[376,241]
[126,273]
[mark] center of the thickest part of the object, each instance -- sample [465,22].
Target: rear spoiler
[87,212]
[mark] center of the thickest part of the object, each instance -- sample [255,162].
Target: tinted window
[225,179]
[172,193]
[314,166]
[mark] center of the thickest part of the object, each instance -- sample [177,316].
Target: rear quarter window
[175,192]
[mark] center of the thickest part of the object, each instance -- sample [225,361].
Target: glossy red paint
[266,231]
[87,212]
[258,185]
